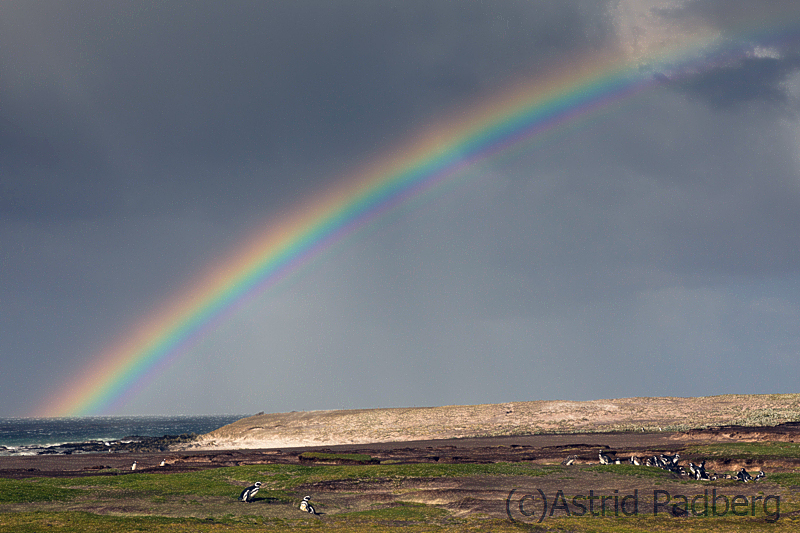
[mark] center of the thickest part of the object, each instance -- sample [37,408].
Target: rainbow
[498,126]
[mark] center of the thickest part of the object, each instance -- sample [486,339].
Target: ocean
[31,436]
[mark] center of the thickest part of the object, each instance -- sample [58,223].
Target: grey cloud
[220,100]
[140,142]
[746,81]
[759,53]
[728,14]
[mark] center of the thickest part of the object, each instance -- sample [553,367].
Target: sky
[649,249]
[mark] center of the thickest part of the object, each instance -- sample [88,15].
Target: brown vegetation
[361,426]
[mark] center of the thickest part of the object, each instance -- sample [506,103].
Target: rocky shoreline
[130,444]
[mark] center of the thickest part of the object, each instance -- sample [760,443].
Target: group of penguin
[670,463]
[249,493]
[136,463]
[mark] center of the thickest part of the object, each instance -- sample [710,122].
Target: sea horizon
[30,435]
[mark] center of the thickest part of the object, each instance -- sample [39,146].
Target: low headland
[363,426]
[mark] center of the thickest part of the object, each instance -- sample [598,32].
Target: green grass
[785,479]
[283,477]
[380,522]
[205,501]
[82,522]
[351,457]
[12,491]
[747,450]
[401,511]
[227,482]
[204,483]
[407,518]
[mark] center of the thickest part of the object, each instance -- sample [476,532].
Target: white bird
[133,466]
[248,493]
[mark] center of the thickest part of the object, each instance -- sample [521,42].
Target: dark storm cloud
[140,141]
[747,81]
[758,63]
[731,13]
[154,107]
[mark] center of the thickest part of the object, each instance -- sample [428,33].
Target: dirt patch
[499,496]
[787,432]
[536,449]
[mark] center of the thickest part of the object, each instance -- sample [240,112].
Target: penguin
[760,475]
[699,471]
[668,460]
[675,469]
[635,460]
[702,475]
[743,476]
[250,492]
[604,458]
[133,466]
[569,460]
[305,505]
[163,462]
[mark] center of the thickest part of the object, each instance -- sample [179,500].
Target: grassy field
[401,497]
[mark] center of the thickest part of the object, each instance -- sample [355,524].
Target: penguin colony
[670,463]
[135,464]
